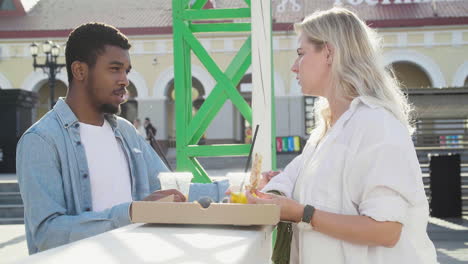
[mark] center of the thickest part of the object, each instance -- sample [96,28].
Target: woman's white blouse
[366,164]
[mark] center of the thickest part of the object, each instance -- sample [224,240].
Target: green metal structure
[189,130]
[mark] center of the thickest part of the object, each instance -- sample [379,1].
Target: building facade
[425,42]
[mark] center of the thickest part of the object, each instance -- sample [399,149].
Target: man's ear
[79,70]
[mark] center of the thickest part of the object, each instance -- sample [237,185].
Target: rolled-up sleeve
[384,204]
[383,181]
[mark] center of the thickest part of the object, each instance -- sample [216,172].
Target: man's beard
[103,108]
[110,109]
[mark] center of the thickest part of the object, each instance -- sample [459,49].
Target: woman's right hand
[266,177]
[291,210]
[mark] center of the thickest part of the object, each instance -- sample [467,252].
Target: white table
[175,244]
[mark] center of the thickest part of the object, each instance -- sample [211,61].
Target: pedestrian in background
[150,130]
[137,124]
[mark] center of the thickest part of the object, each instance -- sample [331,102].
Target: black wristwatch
[307,217]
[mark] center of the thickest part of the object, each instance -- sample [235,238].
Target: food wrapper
[255,175]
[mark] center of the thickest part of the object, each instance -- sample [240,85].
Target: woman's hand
[290,209]
[266,177]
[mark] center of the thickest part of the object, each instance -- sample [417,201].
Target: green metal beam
[220,27]
[211,107]
[181,71]
[217,74]
[201,174]
[218,150]
[213,14]
[190,129]
[199,4]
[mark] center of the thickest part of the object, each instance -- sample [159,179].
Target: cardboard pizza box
[166,212]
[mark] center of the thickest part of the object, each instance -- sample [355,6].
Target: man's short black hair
[87,41]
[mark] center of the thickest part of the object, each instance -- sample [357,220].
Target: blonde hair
[357,66]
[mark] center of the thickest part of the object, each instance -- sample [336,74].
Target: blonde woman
[355,195]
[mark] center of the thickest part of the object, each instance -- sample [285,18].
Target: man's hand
[266,177]
[156,195]
[178,196]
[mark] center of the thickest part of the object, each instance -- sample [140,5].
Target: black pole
[251,149]
[52,83]
[51,68]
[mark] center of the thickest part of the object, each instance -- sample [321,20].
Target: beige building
[425,42]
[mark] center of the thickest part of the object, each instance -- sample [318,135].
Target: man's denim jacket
[54,179]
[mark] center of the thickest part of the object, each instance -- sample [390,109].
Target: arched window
[197,90]
[129,110]
[43,105]
[198,94]
[411,75]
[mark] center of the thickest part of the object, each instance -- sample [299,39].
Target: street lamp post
[50,66]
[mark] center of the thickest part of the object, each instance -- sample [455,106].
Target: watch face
[308,213]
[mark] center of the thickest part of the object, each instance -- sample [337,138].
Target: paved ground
[450,236]
[12,243]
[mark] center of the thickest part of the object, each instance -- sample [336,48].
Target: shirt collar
[65,113]
[366,100]
[69,118]
[112,119]
[360,100]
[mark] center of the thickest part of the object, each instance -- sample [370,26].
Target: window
[7,5]
[445,133]
[411,75]
[309,113]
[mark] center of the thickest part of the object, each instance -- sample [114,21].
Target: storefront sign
[381,2]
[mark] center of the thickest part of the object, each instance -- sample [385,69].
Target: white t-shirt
[365,165]
[108,167]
